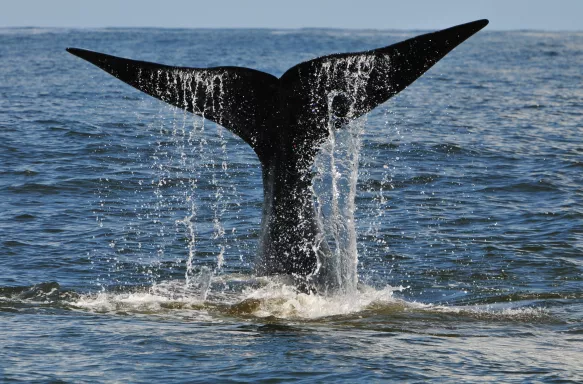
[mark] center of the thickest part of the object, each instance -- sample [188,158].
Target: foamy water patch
[258,297]
[501,311]
[164,298]
[285,302]
[252,297]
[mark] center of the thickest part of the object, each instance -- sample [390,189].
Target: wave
[538,186]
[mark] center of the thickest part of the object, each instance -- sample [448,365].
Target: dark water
[114,210]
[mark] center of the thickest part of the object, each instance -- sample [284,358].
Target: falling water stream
[336,169]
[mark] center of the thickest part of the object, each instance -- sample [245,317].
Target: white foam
[500,311]
[285,302]
[264,297]
[274,300]
[160,298]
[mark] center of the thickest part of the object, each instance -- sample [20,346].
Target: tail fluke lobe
[240,99]
[346,86]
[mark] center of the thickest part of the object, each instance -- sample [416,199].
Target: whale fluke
[236,98]
[286,119]
[392,69]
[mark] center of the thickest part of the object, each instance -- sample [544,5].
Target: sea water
[128,229]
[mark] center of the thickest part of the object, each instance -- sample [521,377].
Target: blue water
[128,228]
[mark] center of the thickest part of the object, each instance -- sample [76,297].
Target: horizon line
[280,28]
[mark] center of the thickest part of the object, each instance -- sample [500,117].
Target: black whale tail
[257,106]
[285,120]
[236,98]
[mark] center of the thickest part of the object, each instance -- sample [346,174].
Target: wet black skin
[286,119]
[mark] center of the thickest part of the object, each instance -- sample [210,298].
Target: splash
[247,297]
[267,299]
[243,296]
[284,302]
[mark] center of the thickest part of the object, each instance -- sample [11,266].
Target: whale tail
[256,106]
[236,98]
[286,119]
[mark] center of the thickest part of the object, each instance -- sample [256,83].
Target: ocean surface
[128,228]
